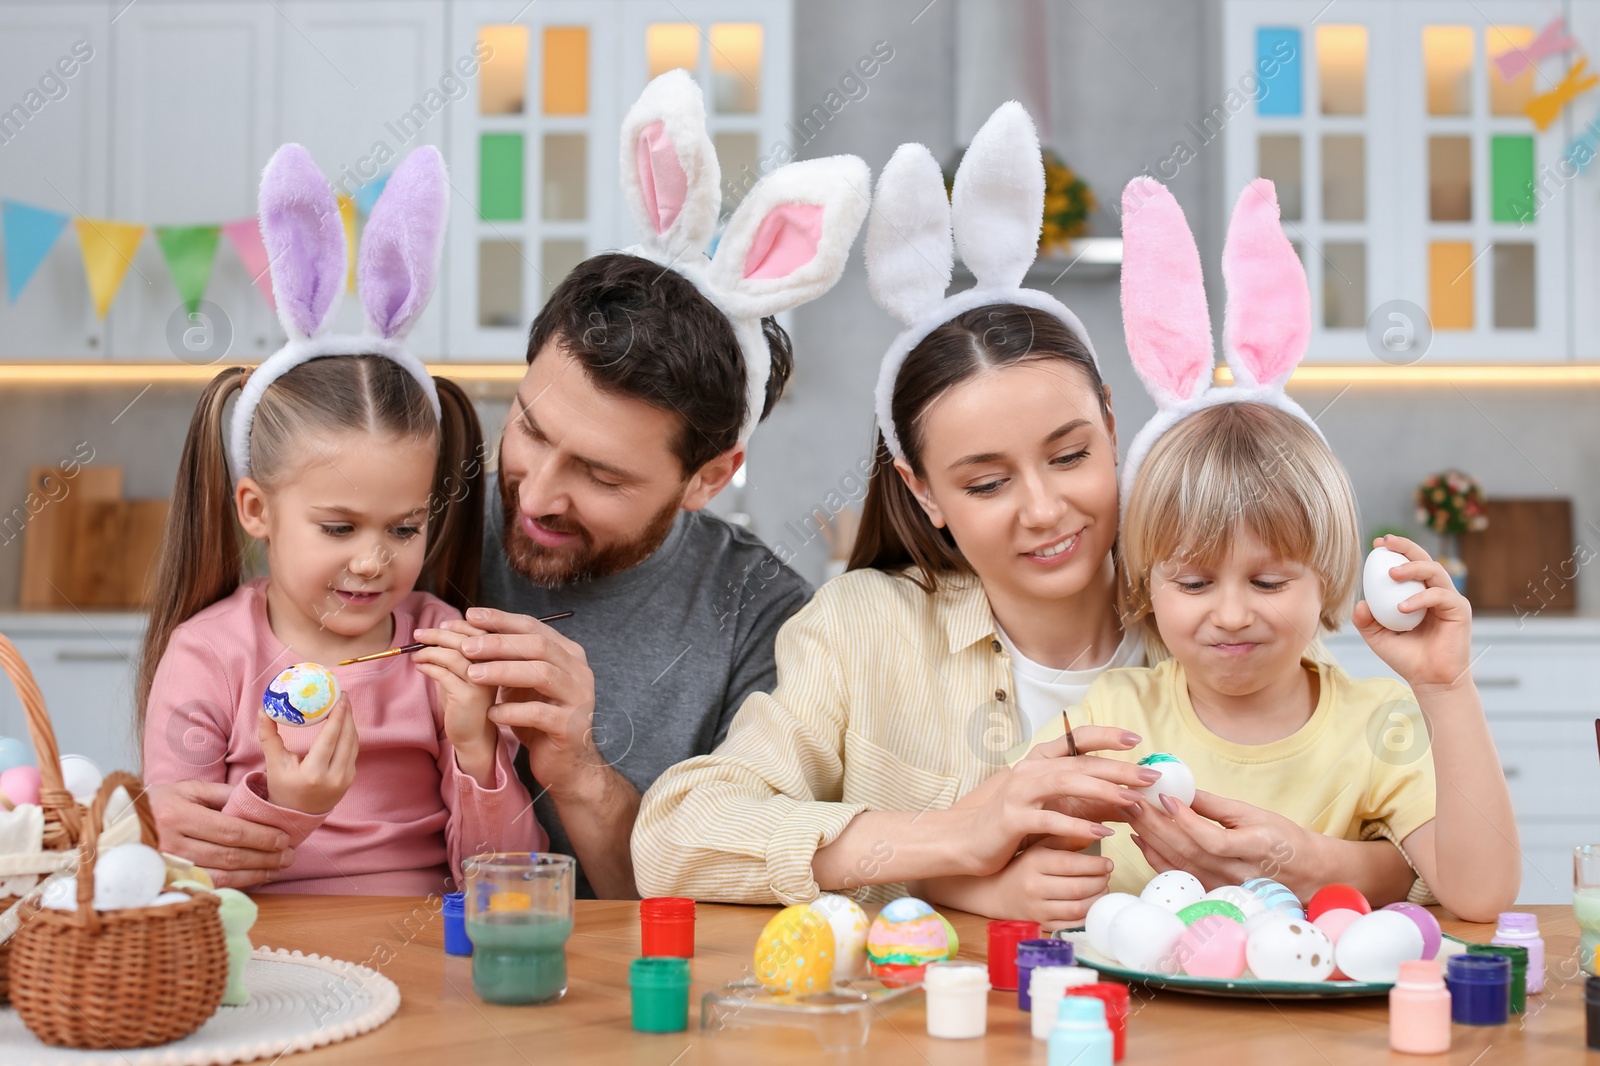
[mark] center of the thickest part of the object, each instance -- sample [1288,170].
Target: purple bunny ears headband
[396,269]
[785,244]
[992,216]
[1168,328]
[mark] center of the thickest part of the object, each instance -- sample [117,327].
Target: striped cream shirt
[888,698]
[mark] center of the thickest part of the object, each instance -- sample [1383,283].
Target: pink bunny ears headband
[785,244]
[305,242]
[993,216]
[1167,325]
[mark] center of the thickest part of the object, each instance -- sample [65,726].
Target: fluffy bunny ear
[1268,321]
[670,175]
[910,254]
[997,204]
[400,248]
[788,241]
[305,241]
[1164,314]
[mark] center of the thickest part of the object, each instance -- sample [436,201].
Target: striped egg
[907,932]
[1276,897]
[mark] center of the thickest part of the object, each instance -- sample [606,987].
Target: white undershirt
[1043,692]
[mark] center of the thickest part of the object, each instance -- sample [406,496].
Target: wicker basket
[123,978]
[63,815]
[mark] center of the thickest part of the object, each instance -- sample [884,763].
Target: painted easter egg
[1102,912]
[1375,945]
[14,752]
[1177,780]
[1336,897]
[794,953]
[1143,936]
[1213,946]
[128,875]
[1248,902]
[849,923]
[1384,594]
[1275,897]
[19,785]
[82,777]
[1207,908]
[1333,923]
[1293,950]
[907,932]
[1173,890]
[1427,925]
[301,695]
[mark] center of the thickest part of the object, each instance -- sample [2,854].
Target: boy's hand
[465,704]
[1050,884]
[1438,653]
[315,782]
[1225,841]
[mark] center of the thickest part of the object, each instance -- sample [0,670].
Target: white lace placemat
[297,1002]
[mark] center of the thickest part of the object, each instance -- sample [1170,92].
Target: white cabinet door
[362,83]
[87,681]
[193,107]
[53,155]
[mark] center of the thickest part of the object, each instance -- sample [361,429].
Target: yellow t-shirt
[1361,766]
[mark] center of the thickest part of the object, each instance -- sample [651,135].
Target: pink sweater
[411,816]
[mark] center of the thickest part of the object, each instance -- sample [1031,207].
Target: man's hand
[235,852]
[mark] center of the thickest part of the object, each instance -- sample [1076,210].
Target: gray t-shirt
[676,643]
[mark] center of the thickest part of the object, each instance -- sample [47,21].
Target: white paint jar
[1046,986]
[958,999]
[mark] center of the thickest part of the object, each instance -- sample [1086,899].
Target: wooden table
[441,1021]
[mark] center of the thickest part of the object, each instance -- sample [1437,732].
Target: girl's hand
[1438,653]
[1227,842]
[465,704]
[315,782]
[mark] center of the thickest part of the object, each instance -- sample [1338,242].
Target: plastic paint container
[1046,986]
[1520,930]
[1419,1009]
[660,993]
[1004,936]
[1480,989]
[666,927]
[1115,997]
[1044,951]
[456,941]
[958,999]
[1519,970]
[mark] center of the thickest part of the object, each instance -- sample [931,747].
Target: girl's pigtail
[201,552]
[450,569]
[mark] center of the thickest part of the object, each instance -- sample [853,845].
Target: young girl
[1239,546]
[360,474]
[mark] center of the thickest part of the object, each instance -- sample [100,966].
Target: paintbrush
[409,648]
[1072,745]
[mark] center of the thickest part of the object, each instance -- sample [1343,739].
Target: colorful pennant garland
[29,233]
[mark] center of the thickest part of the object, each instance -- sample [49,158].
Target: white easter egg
[1102,912]
[1248,902]
[1384,594]
[850,924]
[128,875]
[81,776]
[1293,950]
[60,895]
[1373,946]
[1173,890]
[1143,936]
[1265,917]
[1177,780]
[170,897]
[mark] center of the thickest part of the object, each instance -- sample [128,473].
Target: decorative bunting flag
[108,249]
[30,233]
[1545,108]
[367,195]
[347,214]
[1552,40]
[245,236]
[189,251]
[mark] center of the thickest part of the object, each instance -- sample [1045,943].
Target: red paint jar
[1004,936]
[666,927]
[1115,997]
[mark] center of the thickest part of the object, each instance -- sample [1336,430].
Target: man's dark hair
[644,331]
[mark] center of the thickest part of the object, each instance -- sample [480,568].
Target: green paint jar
[660,988]
[1519,970]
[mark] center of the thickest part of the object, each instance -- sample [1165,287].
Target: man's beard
[555,567]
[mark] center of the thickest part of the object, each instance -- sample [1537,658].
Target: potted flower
[1451,503]
[1068,203]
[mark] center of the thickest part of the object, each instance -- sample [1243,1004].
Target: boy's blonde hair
[1230,464]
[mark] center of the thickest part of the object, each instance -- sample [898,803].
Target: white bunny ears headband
[992,215]
[786,243]
[1168,328]
[396,269]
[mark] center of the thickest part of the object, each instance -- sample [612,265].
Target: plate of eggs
[1255,940]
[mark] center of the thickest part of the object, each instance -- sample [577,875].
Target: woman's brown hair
[201,560]
[895,532]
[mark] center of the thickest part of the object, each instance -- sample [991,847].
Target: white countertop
[71,623]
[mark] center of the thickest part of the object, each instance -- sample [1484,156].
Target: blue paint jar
[456,941]
[1045,951]
[1480,989]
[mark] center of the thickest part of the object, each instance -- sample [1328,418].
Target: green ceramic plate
[1243,988]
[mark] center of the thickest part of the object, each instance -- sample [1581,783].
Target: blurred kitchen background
[1430,156]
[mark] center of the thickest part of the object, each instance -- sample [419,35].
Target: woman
[980,600]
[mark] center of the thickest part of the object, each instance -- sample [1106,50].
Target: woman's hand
[1227,842]
[465,704]
[315,782]
[1438,653]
